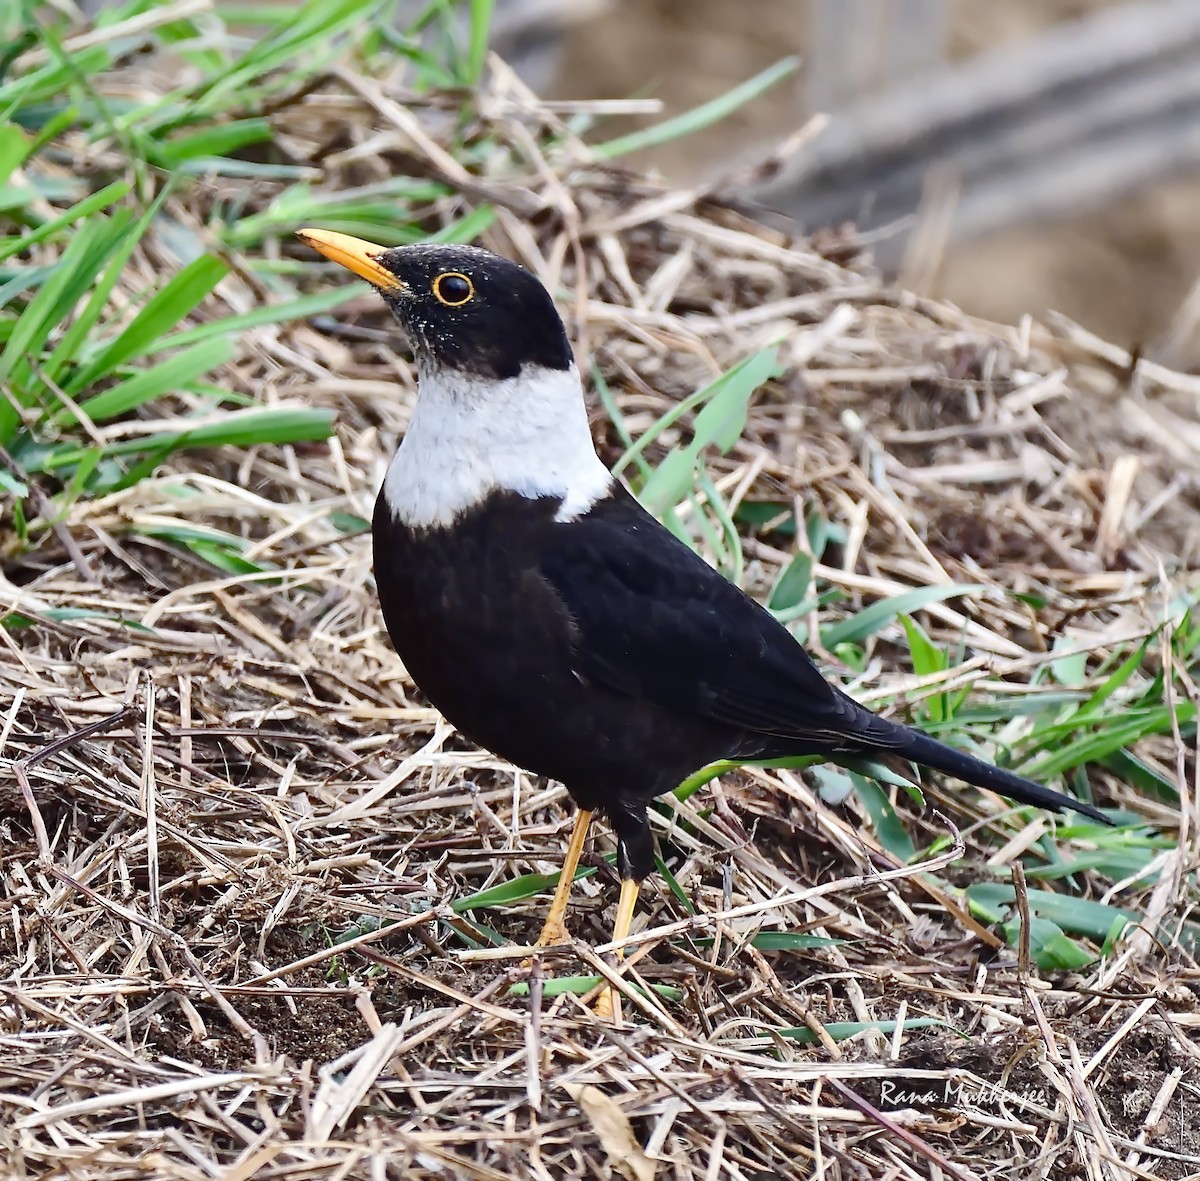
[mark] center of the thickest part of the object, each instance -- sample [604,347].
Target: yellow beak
[354,254]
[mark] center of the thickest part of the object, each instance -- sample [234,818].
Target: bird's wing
[654,620]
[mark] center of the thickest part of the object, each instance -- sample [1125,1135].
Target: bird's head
[463,308]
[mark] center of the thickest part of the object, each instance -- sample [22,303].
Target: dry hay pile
[233,832]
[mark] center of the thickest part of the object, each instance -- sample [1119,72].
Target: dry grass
[233,832]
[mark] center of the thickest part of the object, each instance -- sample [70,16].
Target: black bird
[545,612]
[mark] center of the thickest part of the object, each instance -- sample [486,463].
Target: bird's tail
[928,752]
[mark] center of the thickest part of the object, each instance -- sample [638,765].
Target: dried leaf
[612,1126]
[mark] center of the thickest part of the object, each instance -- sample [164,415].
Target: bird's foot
[608,1003]
[554,933]
[607,1006]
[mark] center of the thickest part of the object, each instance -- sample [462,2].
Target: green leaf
[780,941]
[1119,731]
[880,773]
[14,147]
[1050,949]
[172,374]
[580,985]
[694,782]
[927,659]
[101,199]
[1145,778]
[792,584]
[12,485]
[1117,863]
[119,243]
[221,140]
[767,515]
[893,836]
[23,281]
[54,126]
[46,308]
[841,1030]
[1071,667]
[725,543]
[348,522]
[700,117]
[720,423]
[671,880]
[111,478]
[762,366]
[278,313]
[244,428]
[1118,680]
[480,31]
[166,308]
[224,558]
[45,311]
[878,615]
[1078,916]
[466,229]
[526,886]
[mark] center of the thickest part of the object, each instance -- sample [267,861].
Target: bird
[546,614]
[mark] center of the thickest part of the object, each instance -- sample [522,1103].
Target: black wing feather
[655,621]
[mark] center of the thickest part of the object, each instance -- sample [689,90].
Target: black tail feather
[928,752]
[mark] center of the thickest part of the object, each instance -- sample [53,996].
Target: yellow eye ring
[461,289]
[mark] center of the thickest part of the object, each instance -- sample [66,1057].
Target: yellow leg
[554,929]
[608,1004]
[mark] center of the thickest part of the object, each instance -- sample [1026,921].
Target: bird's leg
[608,1004]
[635,862]
[554,929]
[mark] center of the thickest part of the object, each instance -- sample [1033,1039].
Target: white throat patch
[470,436]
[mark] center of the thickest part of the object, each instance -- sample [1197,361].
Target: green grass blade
[1117,733]
[517,890]
[101,199]
[57,296]
[1049,947]
[720,423]
[479,32]
[24,281]
[245,428]
[693,783]
[14,147]
[170,304]
[172,374]
[1079,916]
[927,659]
[580,985]
[699,117]
[43,311]
[686,406]
[792,585]
[278,313]
[878,615]
[893,836]
[781,941]
[122,243]
[213,142]
[841,1030]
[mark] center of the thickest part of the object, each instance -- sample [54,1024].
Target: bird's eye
[453,289]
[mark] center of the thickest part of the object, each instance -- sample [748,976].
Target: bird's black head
[463,308]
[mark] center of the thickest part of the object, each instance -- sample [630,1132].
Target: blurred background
[1012,157]
[1018,157]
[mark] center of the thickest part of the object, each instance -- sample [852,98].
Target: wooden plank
[858,46]
[1084,113]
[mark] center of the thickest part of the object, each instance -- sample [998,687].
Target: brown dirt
[228,945]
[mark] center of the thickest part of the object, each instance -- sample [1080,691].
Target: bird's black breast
[490,641]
